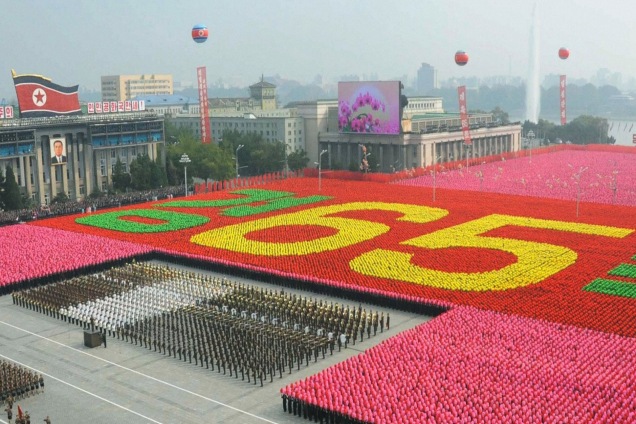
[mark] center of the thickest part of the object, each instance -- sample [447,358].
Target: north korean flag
[40,97]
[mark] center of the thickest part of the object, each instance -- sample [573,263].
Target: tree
[297,160]
[257,156]
[584,129]
[146,174]
[11,197]
[500,115]
[60,198]
[209,161]
[121,179]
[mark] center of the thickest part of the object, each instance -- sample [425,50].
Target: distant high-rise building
[426,79]
[127,87]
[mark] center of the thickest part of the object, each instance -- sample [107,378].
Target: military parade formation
[219,324]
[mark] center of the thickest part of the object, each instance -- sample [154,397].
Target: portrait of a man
[59,154]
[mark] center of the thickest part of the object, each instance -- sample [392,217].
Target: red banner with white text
[463,114]
[206,136]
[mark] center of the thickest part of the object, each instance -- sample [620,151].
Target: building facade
[422,128]
[91,145]
[127,87]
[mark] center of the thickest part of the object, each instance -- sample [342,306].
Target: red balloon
[564,53]
[461,58]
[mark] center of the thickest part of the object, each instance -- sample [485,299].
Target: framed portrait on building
[58,151]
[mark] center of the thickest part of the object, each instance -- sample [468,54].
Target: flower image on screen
[369,107]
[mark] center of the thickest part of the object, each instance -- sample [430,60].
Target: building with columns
[92,144]
[422,127]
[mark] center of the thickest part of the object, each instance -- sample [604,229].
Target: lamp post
[287,146]
[185,160]
[240,146]
[577,177]
[319,163]
[480,175]
[468,147]
[434,169]
[530,136]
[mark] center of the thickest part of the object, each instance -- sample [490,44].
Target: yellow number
[350,231]
[535,261]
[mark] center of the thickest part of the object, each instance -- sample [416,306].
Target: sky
[78,41]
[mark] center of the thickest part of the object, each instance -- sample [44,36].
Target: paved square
[125,383]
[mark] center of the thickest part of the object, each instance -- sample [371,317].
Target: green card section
[612,287]
[624,270]
[272,201]
[272,205]
[166,221]
[251,196]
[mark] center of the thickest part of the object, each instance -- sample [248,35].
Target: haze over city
[76,42]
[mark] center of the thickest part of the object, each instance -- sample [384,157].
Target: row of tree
[582,130]
[235,154]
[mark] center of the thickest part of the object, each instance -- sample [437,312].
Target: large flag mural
[39,97]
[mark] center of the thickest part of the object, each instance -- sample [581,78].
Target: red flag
[206,135]
[20,412]
[463,114]
[562,85]
[40,97]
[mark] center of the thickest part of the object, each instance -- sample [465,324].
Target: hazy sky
[76,42]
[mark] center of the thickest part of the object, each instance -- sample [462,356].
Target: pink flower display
[592,176]
[40,251]
[470,366]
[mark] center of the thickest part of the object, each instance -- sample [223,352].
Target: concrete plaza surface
[125,383]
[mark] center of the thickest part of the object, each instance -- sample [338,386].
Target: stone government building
[93,143]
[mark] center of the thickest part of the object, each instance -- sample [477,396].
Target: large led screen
[369,107]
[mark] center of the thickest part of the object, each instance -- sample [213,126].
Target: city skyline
[300,41]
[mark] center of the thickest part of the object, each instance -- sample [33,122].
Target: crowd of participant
[219,323]
[71,207]
[17,382]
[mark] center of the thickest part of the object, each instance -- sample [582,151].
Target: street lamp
[319,163]
[185,160]
[577,177]
[240,146]
[530,136]
[287,146]
[434,169]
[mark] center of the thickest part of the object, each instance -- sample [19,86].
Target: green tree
[141,172]
[584,129]
[257,156]
[157,175]
[500,115]
[297,160]
[208,161]
[121,179]
[11,197]
[60,198]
